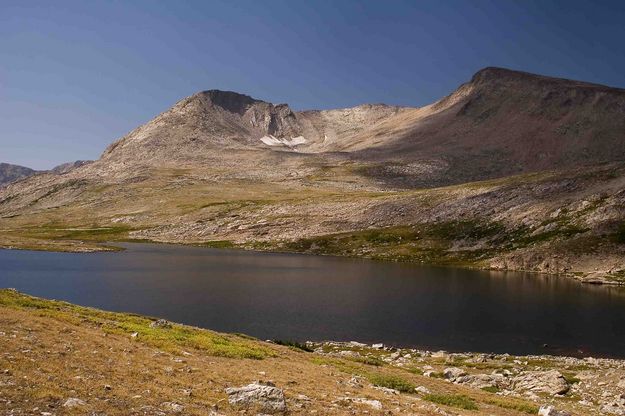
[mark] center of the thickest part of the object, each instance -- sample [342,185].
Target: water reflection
[306,297]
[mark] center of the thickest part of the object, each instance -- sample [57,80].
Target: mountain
[501,122]
[510,171]
[10,173]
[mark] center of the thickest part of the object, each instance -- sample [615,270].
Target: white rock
[374,404]
[73,402]
[259,396]
[551,411]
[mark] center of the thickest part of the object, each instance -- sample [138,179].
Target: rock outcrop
[549,382]
[263,397]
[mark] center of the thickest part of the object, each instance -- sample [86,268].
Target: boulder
[264,397]
[452,373]
[550,382]
[161,323]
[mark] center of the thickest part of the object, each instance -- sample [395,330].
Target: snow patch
[274,141]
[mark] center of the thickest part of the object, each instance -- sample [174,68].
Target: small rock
[134,335]
[422,390]
[173,407]
[355,381]
[73,402]
[374,404]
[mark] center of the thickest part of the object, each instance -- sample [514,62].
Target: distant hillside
[10,173]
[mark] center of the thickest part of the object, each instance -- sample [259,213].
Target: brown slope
[506,122]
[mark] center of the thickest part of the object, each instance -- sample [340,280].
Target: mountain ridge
[543,110]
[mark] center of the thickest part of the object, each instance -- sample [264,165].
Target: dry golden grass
[51,351]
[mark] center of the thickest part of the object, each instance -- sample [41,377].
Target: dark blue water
[297,297]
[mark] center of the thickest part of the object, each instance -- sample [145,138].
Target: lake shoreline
[85,247]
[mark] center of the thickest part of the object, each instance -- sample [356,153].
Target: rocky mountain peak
[228,100]
[503,76]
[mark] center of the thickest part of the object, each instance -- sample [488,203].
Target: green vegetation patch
[571,378]
[426,243]
[369,360]
[173,338]
[294,345]
[514,405]
[391,382]
[454,400]
[218,244]
[87,233]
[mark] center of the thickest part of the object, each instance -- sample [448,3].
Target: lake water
[298,297]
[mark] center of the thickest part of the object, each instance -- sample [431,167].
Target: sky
[77,75]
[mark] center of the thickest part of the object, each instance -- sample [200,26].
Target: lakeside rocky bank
[597,385]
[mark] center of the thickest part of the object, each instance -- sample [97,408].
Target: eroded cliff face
[224,166]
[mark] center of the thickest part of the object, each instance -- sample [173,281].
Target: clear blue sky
[74,76]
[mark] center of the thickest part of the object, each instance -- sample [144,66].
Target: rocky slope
[512,171]
[61,359]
